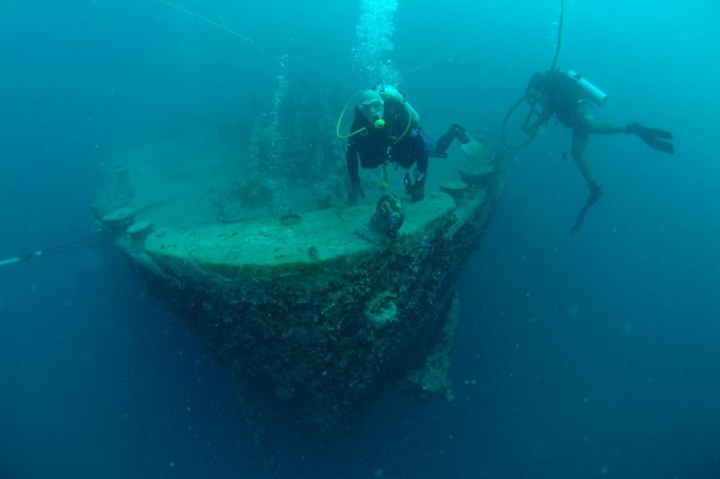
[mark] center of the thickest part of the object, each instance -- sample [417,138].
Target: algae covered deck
[271,242]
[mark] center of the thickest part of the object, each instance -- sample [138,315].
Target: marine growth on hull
[244,229]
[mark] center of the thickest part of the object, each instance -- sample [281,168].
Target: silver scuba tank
[597,96]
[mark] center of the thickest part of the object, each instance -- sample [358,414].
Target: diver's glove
[415,190]
[356,190]
[654,138]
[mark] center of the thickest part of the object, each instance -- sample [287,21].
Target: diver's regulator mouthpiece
[379,123]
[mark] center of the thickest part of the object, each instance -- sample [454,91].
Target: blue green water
[586,355]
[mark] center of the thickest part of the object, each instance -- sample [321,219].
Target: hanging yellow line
[208,21]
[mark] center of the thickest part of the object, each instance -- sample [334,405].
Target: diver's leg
[455,131]
[601,127]
[579,142]
[443,143]
[591,124]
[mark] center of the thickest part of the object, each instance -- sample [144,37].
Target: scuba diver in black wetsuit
[571,98]
[386,130]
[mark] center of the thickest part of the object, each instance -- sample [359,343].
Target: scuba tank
[595,94]
[389,91]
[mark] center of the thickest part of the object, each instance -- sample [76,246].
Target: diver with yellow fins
[386,129]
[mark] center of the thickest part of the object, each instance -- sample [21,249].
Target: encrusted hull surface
[315,312]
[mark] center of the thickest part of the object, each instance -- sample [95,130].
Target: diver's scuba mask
[372,108]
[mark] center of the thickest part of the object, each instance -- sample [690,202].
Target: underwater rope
[208,21]
[531,103]
[558,46]
[453,52]
[89,242]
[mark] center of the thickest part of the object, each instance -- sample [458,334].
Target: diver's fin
[595,193]
[653,137]
[663,146]
[474,149]
[661,134]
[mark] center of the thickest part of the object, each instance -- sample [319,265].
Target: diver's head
[372,107]
[537,84]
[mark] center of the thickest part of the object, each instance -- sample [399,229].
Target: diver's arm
[351,161]
[353,147]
